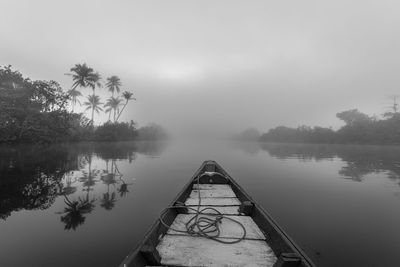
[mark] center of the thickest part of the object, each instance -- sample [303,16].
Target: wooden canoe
[264,244]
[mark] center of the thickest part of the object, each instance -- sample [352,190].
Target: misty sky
[227,65]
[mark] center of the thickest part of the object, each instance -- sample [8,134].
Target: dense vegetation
[359,128]
[37,111]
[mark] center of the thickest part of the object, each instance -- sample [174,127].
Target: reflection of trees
[108,201]
[360,160]
[117,150]
[123,189]
[33,177]
[75,211]
[251,148]
[151,149]
[89,177]
[30,176]
[109,178]
[68,189]
[304,152]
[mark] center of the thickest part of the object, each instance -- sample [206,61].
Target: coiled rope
[204,226]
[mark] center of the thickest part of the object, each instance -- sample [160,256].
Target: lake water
[88,205]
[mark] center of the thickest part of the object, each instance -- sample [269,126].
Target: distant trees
[128,96]
[113,84]
[84,76]
[353,117]
[118,131]
[359,128]
[112,105]
[74,94]
[93,103]
[298,135]
[152,132]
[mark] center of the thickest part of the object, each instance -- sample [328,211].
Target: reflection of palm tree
[108,202]
[109,178]
[123,189]
[75,211]
[88,178]
[69,189]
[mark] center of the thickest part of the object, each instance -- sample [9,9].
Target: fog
[216,67]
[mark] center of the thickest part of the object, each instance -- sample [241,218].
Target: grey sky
[231,64]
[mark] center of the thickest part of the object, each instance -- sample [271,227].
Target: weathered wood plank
[211,186]
[225,192]
[228,228]
[227,210]
[179,250]
[225,201]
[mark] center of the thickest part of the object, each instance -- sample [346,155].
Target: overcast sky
[226,64]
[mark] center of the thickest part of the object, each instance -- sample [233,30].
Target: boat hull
[211,173]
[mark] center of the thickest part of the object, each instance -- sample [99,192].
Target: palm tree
[82,75]
[94,80]
[128,96]
[108,108]
[74,97]
[113,84]
[93,103]
[113,103]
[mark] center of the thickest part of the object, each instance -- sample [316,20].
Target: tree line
[359,128]
[42,112]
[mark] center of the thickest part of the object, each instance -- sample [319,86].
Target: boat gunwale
[157,228]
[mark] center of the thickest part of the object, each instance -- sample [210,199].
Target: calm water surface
[88,205]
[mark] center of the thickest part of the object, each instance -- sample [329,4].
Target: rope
[203,226]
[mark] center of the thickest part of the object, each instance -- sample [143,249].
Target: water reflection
[250,148]
[360,160]
[73,214]
[85,176]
